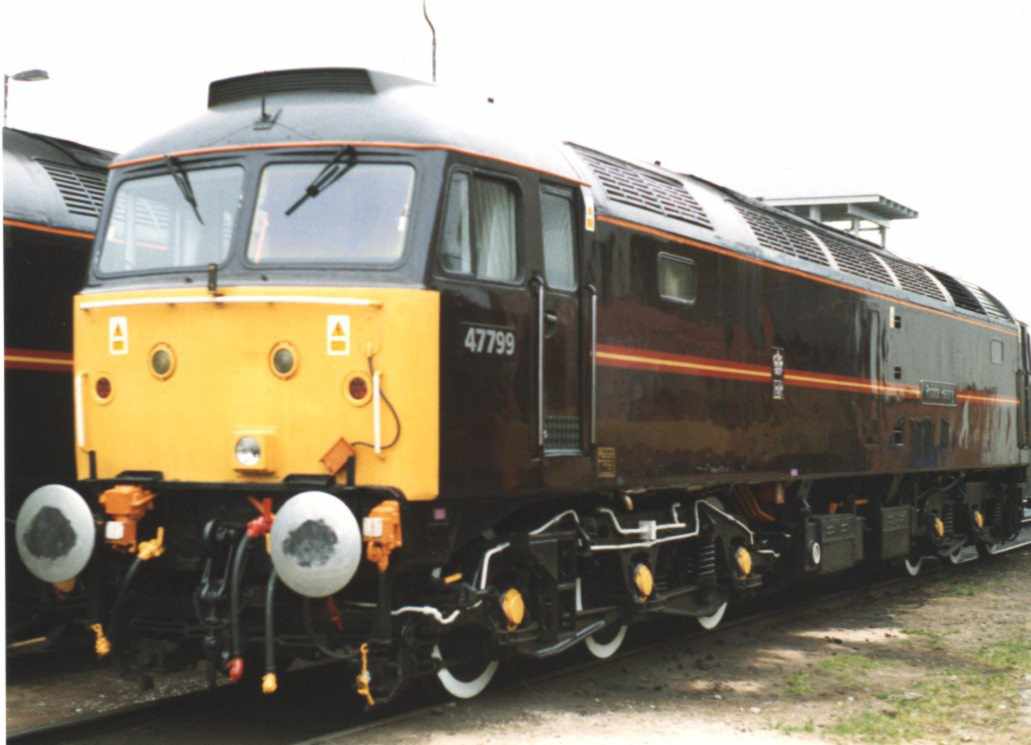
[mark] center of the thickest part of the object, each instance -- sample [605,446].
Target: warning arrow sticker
[338,336]
[118,335]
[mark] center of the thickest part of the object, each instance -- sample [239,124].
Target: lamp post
[25,76]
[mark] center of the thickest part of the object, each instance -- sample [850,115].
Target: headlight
[283,359]
[248,451]
[162,361]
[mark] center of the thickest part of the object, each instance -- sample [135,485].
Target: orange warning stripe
[307,145]
[622,357]
[643,359]
[712,248]
[980,399]
[37,359]
[47,229]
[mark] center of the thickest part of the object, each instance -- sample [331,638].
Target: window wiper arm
[183,182]
[329,175]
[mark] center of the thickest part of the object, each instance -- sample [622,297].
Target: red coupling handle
[262,524]
[259,526]
[236,669]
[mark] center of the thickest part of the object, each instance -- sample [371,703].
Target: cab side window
[480,230]
[678,279]
[558,218]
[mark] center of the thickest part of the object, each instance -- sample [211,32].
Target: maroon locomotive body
[644,393]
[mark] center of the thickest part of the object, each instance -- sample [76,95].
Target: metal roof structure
[52,182]
[865,212]
[335,107]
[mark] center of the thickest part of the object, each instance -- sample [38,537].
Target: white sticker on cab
[118,335]
[338,336]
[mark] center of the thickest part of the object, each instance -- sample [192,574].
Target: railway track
[315,705]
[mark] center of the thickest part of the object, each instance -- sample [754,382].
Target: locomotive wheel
[710,622]
[467,668]
[912,566]
[956,556]
[986,550]
[606,642]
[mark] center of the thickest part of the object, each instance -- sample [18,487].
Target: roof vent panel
[776,234]
[962,296]
[632,185]
[81,190]
[332,79]
[856,260]
[990,303]
[914,278]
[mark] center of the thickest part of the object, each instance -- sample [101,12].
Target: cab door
[560,335]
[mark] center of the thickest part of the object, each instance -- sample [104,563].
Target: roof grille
[335,79]
[856,260]
[782,235]
[914,278]
[960,294]
[82,190]
[990,303]
[629,184]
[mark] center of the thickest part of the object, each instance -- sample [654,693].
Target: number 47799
[487,340]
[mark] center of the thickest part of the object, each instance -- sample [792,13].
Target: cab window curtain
[494,227]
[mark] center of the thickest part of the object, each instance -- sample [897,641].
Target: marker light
[358,390]
[248,451]
[103,389]
[162,361]
[283,360]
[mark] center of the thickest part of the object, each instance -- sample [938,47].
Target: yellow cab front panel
[174,380]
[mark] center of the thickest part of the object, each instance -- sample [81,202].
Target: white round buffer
[316,544]
[55,533]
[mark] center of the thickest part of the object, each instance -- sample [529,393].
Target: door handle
[551,318]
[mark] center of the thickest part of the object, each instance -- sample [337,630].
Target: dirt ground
[942,659]
[946,659]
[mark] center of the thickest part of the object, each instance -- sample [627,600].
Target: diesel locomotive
[371,373]
[53,193]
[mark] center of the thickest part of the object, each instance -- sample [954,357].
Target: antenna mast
[433,31]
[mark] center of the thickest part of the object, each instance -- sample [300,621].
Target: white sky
[926,103]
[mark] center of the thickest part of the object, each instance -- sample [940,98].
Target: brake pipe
[256,528]
[152,549]
[269,683]
[235,665]
[116,610]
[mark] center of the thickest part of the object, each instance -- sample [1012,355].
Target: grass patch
[935,640]
[931,707]
[800,684]
[792,729]
[847,665]
[962,589]
[876,726]
[1008,655]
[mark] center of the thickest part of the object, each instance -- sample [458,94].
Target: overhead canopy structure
[864,212]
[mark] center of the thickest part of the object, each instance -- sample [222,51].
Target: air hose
[269,682]
[116,609]
[235,666]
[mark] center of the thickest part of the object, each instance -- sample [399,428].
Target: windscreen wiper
[329,175]
[183,182]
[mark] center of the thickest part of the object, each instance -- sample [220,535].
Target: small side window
[678,279]
[456,253]
[480,234]
[998,352]
[558,221]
